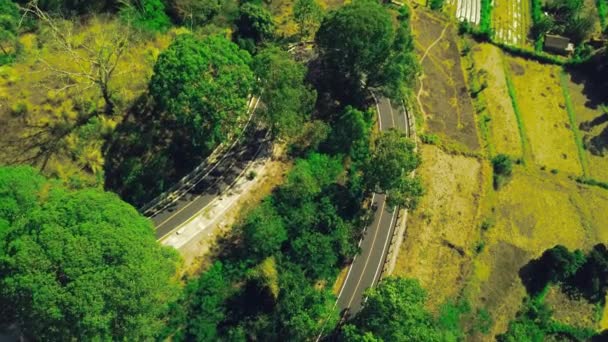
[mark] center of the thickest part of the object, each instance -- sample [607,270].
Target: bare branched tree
[93,61]
[77,63]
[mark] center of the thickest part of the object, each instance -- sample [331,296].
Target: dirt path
[421,77]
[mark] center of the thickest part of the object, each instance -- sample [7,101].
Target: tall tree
[255,23]
[92,60]
[356,40]
[308,15]
[79,264]
[393,159]
[202,87]
[264,231]
[362,48]
[288,100]
[394,311]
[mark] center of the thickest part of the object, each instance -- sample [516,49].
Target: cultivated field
[545,119]
[442,92]
[503,124]
[511,21]
[471,236]
[441,234]
[592,122]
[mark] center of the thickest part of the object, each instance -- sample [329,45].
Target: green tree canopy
[360,44]
[288,100]
[392,161]
[264,230]
[202,86]
[308,15]
[394,311]
[352,134]
[147,15]
[79,264]
[255,22]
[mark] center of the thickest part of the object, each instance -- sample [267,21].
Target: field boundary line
[573,125]
[525,145]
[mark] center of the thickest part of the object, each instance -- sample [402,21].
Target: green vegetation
[566,17]
[579,274]
[393,298]
[535,324]
[436,5]
[147,15]
[308,14]
[503,168]
[288,100]
[255,25]
[79,264]
[200,86]
[525,145]
[602,11]
[485,22]
[9,20]
[362,50]
[390,166]
[203,86]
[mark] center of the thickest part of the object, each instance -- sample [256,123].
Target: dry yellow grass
[442,232]
[503,126]
[541,100]
[533,212]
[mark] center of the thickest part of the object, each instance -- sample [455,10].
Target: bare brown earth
[446,106]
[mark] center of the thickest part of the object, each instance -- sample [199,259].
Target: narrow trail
[421,77]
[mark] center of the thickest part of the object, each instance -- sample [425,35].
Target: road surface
[365,270]
[205,190]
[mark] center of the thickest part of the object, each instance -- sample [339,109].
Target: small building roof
[555,42]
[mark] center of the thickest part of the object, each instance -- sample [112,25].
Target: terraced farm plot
[511,21]
[441,233]
[545,119]
[466,10]
[592,123]
[503,125]
[533,212]
[442,92]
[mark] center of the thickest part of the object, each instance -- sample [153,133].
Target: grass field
[442,233]
[541,100]
[503,124]
[442,91]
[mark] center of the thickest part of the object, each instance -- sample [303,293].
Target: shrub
[147,15]
[430,139]
[436,4]
[503,167]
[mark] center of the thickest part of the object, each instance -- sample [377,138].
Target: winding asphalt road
[366,268]
[214,184]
